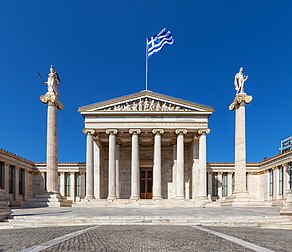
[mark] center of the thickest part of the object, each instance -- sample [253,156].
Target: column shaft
[240,149]
[180,164]
[72,186]
[210,186]
[83,182]
[112,165]
[220,185]
[16,184]
[203,163]
[157,164]
[89,167]
[195,170]
[135,165]
[118,171]
[52,148]
[229,183]
[62,183]
[174,171]
[96,163]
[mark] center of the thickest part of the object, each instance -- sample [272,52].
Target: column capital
[89,131]
[181,131]
[111,131]
[158,131]
[203,131]
[132,131]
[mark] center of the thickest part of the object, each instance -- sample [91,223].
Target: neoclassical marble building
[145,147]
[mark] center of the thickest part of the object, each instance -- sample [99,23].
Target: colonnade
[93,160]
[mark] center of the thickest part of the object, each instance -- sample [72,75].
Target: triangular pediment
[146,101]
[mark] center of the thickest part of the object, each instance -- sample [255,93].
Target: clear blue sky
[98,49]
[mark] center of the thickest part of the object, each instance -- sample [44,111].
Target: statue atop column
[241,96]
[239,80]
[53,84]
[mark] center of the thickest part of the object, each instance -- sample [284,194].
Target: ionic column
[180,163]
[6,178]
[72,184]
[157,164]
[118,171]
[52,99]
[82,193]
[195,169]
[135,164]
[276,183]
[229,183]
[210,186]
[89,164]
[174,171]
[112,164]
[96,164]
[285,180]
[62,183]
[16,184]
[220,185]
[202,163]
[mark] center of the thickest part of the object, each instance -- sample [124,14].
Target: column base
[157,198]
[134,197]
[89,197]
[112,197]
[180,197]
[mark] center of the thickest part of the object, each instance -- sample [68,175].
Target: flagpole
[146,65]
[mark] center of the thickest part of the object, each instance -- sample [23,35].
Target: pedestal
[287,208]
[4,209]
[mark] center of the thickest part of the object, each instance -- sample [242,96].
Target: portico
[146,145]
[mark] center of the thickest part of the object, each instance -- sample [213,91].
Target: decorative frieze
[146,105]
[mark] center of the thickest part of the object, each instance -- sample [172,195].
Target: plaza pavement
[120,229]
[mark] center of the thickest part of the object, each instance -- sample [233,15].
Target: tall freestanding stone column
[239,103]
[157,164]
[52,99]
[180,164]
[112,164]
[135,164]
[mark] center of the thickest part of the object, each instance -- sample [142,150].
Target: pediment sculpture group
[146,105]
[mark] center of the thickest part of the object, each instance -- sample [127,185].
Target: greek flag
[155,43]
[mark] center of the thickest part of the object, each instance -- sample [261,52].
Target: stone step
[244,221]
[49,200]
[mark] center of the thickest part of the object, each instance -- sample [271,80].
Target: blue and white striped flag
[155,43]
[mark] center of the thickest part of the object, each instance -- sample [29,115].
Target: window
[11,178]
[67,184]
[271,180]
[281,178]
[233,181]
[246,180]
[2,174]
[21,181]
[78,184]
[59,181]
[224,184]
[214,184]
[45,176]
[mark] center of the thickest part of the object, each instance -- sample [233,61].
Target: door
[146,178]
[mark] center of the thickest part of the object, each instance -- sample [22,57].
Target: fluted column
[52,148]
[210,185]
[118,171]
[220,184]
[174,171]
[157,164]
[62,183]
[83,190]
[89,164]
[135,164]
[229,183]
[195,169]
[180,163]
[96,164]
[72,186]
[112,164]
[202,163]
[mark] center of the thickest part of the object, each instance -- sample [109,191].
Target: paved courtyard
[52,234]
[144,238]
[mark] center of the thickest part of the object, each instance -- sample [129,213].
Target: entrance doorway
[146,182]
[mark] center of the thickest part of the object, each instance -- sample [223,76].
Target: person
[239,80]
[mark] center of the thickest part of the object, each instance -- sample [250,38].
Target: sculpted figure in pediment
[152,105]
[140,105]
[158,107]
[146,105]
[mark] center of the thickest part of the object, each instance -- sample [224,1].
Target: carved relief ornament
[146,105]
